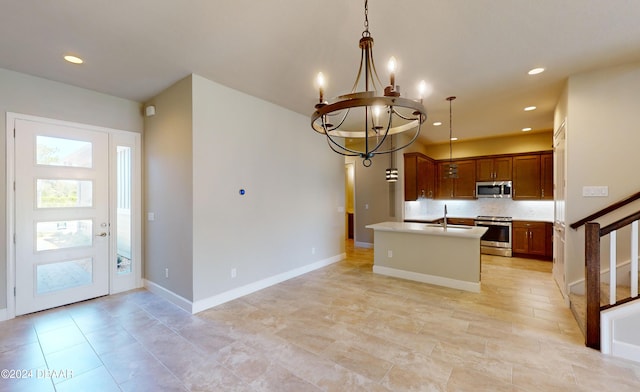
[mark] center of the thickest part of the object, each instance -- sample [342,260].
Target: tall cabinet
[419,178]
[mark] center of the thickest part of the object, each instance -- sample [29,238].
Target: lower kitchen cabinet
[461,221]
[532,239]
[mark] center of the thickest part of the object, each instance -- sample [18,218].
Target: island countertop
[430,229]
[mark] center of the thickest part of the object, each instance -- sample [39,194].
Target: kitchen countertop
[435,218]
[430,229]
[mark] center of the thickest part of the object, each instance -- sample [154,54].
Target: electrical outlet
[313,251]
[389,253]
[166,273]
[234,272]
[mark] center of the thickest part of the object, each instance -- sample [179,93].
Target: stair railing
[593,236]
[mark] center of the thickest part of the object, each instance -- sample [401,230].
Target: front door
[61,214]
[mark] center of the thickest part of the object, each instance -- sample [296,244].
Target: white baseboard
[622,277]
[169,295]
[219,299]
[367,245]
[3,314]
[207,303]
[425,278]
[611,345]
[626,351]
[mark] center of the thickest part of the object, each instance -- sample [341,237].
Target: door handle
[103,234]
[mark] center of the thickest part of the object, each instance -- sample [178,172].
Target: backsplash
[537,210]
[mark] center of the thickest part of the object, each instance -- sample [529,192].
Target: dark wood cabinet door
[444,185]
[464,187]
[502,168]
[410,175]
[538,239]
[520,242]
[494,169]
[532,239]
[418,176]
[484,169]
[526,177]
[425,178]
[546,168]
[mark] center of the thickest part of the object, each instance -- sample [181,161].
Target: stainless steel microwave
[495,189]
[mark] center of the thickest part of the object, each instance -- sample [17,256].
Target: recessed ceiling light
[530,108]
[437,123]
[526,129]
[536,71]
[73,59]
[453,139]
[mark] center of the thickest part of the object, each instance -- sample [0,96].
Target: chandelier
[360,122]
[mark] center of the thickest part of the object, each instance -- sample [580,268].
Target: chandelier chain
[366,33]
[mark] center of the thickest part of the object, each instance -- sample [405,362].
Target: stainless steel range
[497,240]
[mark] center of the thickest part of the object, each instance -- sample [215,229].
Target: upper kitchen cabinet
[494,169]
[463,187]
[419,178]
[526,177]
[533,176]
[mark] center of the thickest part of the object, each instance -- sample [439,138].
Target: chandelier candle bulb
[392,71]
[320,81]
[422,89]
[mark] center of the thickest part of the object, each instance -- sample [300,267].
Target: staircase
[609,312]
[579,302]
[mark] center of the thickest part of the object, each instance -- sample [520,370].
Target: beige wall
[25,94]
[168,190]
[602,147]
[512,144]
[376,200]
[294,185]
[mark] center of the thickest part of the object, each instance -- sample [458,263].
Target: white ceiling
[478,50]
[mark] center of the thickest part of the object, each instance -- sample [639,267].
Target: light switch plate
[595,191]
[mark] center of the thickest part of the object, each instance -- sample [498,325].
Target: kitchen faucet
[444,222]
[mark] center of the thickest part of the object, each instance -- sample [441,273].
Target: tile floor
[340,328]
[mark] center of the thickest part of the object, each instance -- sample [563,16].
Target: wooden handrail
[606,210]
[619,224]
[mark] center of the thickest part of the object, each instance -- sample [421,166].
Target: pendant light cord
[450,99]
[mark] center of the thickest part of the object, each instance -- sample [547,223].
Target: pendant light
[392,172]
[452,168]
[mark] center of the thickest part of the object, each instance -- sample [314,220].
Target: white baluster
[634,259]
[612,267]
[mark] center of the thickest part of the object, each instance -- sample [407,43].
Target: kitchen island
[429,253]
